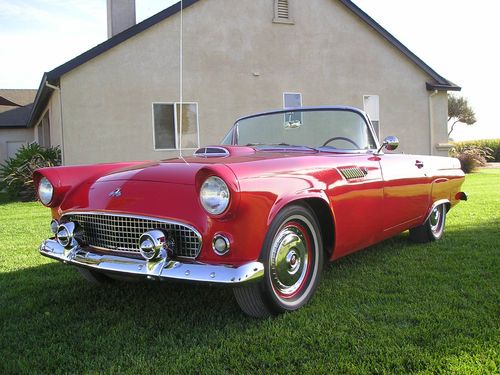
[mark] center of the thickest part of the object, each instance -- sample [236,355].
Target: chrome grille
[121,232]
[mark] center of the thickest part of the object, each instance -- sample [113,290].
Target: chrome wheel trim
[290,276]
[436,220]
[289,260]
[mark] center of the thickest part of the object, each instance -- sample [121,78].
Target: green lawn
[394,308]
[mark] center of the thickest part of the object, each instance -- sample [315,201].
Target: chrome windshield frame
[233,136]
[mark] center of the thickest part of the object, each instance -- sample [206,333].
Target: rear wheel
[433,228]
[293,258]
[93,277]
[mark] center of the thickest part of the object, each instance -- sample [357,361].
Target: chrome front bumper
[162,269]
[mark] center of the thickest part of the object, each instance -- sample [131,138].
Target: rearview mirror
[390,144]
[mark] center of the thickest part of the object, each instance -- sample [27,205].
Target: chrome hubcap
[289,260]
[435,219]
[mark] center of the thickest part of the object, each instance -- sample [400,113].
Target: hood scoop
[211,152]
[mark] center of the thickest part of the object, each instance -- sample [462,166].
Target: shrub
[16,175]
[492,144]
[472,157]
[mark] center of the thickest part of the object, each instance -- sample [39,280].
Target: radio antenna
[180,81]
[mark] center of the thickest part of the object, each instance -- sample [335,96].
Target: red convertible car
[286,191]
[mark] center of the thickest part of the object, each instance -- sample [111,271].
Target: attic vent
[211,152]
[350,173]
[282,12]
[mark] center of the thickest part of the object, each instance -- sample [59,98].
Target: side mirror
[390,144]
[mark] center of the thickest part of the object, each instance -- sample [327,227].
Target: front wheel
[433,228]
[293,258]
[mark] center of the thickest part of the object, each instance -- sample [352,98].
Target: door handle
[419,164]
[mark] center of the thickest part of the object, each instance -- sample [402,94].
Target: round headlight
[214,195]
[45,191]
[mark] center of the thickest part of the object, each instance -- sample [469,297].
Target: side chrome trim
[162,269]
[435,204]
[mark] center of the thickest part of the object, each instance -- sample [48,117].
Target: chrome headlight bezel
[215,195]
[45,191]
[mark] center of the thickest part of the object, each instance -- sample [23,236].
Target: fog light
[54,224]
[220,244]
[65,234]
[152,245]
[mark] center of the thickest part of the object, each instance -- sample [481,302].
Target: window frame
[291,93]
[234,131]
[291,108]
[377,130]
[176,128]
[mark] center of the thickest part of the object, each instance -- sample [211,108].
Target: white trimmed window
[292,100]
[43,131]
[371,104]
[282,12]
[167,126]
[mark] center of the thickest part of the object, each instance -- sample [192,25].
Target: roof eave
[441,81]
[42,95]
[439,87]
[53,77]
[13,127]
[7,102]
[56,73]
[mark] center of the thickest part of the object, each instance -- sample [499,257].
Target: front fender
[261,199]
[296,198]
[64,178]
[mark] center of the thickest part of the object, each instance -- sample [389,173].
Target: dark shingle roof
[17,97]
[6,102]
[15,117]
[54,75]
[15,107]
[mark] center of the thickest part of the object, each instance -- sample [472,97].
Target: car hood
[184,170]
[140,184]
[169,171]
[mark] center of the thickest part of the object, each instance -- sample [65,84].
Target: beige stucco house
[15,109]
[117,101]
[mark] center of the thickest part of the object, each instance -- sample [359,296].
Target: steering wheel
[341,139]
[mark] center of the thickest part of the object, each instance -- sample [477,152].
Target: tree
[459,110]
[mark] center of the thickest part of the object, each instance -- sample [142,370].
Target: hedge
[493,144]
[16,175]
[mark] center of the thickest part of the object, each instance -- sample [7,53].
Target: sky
[455,37]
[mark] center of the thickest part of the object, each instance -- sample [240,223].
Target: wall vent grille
[282,12]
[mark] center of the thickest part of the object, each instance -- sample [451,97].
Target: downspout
[58,88]
[431,123]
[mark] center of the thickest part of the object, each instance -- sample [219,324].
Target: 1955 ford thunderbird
[286,191]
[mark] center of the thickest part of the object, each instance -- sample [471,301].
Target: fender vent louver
[350,173]
[211,152]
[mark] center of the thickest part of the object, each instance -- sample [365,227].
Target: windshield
[334,128]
